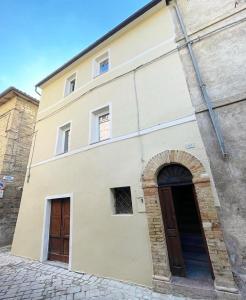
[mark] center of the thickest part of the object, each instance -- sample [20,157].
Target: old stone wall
[16,130]
[218,29]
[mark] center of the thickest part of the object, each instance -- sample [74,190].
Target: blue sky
[37,36]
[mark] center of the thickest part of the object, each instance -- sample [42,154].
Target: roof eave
[123,24]
[19,93]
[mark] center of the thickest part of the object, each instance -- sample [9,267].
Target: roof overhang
[105,37]
[11,92]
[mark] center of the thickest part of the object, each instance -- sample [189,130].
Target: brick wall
[17,121]
[211,225]
[220,52]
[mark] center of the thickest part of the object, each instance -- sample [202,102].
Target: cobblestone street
[27,279]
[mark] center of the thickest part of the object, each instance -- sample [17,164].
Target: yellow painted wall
[103,244]
[126,45]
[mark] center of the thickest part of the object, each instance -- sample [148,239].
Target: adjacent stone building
[17,121]
[217,30]
[119,182]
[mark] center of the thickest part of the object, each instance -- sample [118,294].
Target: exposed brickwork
[17,121]
[211,225]
[220,59]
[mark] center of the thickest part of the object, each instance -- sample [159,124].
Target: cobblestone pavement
[27,279]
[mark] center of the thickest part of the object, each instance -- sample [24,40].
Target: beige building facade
[109,124]
[17,120]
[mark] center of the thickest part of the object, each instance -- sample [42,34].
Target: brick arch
[210,222]
[167,157]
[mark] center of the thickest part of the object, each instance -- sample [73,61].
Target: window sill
[122,215]
[65,96]
[98,75]
[98,142]
[62,153]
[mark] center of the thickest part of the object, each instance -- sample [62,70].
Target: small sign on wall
[140,201]
[2,185]
[8,178]
[140,204]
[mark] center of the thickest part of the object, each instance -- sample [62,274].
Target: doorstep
[57,264]
[195,289]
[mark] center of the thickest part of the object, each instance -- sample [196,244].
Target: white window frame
[96,63]
[59,147]
[94,123]
[67,82]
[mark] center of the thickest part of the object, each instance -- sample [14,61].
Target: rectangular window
[104,127]
[100,125]
[101,64]
[104,66]
[70,84]
[122,200]
[63,139]
[66,139]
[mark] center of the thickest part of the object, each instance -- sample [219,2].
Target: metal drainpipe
[36,90]
[202,85]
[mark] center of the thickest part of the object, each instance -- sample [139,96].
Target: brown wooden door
[59,230]
[176,260]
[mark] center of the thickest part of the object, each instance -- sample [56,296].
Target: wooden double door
[59,230]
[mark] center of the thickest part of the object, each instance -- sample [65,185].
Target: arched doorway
[223,278]
[186,243]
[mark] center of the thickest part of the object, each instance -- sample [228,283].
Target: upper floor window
[63,139]
[104,126]
[100,124]
[70,84]
[101,64]
[104,66]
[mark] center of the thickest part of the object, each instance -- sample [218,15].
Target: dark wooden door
[59,230]
[176,260]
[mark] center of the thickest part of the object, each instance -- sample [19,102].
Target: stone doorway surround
[224,280]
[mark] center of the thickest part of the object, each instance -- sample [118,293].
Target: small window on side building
[122,201]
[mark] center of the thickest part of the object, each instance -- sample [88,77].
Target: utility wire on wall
[197,39]
[175,49]
[138,121]
[32,152]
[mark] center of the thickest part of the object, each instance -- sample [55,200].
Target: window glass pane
[104,66]
[72,86]
[100,125]
[66,140]
[104,128]
[104,118]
